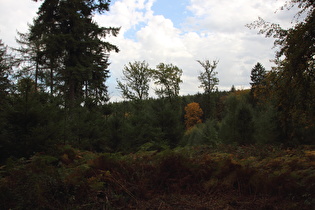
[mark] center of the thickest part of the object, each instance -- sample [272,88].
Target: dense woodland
[60,133]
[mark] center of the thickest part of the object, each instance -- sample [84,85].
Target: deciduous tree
[168,78]
[208,78]
[137,77]
[293,84]
[193,115]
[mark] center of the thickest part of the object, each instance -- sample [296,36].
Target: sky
[177,32]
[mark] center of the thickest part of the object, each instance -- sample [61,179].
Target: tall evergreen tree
[5,67]
[73,47]
[29,58]
[258,76]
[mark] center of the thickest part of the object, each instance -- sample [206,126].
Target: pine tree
[258,76]
[73,47]
[29,58]
[5,68]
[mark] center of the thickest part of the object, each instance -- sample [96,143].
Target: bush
[201,134]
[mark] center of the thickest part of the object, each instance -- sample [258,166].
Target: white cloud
[213,30]
[160,40]
[127,14]
[14,17]
[230,16]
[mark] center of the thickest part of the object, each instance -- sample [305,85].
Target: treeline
[53,91]
[35,122]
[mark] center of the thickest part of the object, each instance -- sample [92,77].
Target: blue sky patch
[175,10]
[131,33]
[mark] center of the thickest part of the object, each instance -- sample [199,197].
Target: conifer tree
[29,58]
[73,47]
[5,68]
[258,76]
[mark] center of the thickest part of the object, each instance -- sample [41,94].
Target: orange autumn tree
[193,115]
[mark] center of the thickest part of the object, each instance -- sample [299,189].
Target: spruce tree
[258,75]
[74,48]
[29,58]
[5,68]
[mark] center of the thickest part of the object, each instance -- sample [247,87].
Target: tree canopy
[293,80]
[208,78]
[53,92]
[137,76]
[168,78]
[73,48]
[193,115]
[5,68]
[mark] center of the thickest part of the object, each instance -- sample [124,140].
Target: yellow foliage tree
[193,115]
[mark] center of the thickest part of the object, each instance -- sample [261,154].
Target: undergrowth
[74,179]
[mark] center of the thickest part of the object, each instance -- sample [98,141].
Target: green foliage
[245,127]
[73,48]
[258,84]
[292,84]
[237,126]
[46,140]
[201,134]
[209,83]
[266,126]
[228,126]
[167,76]
[167,117]
[29,59]
[30,125]
[137,77]
[5,68]
[85,128]
[257,75]
[208,78]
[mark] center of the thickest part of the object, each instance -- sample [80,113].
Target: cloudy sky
[178,32]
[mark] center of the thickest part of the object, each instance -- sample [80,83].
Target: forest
[65,145]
